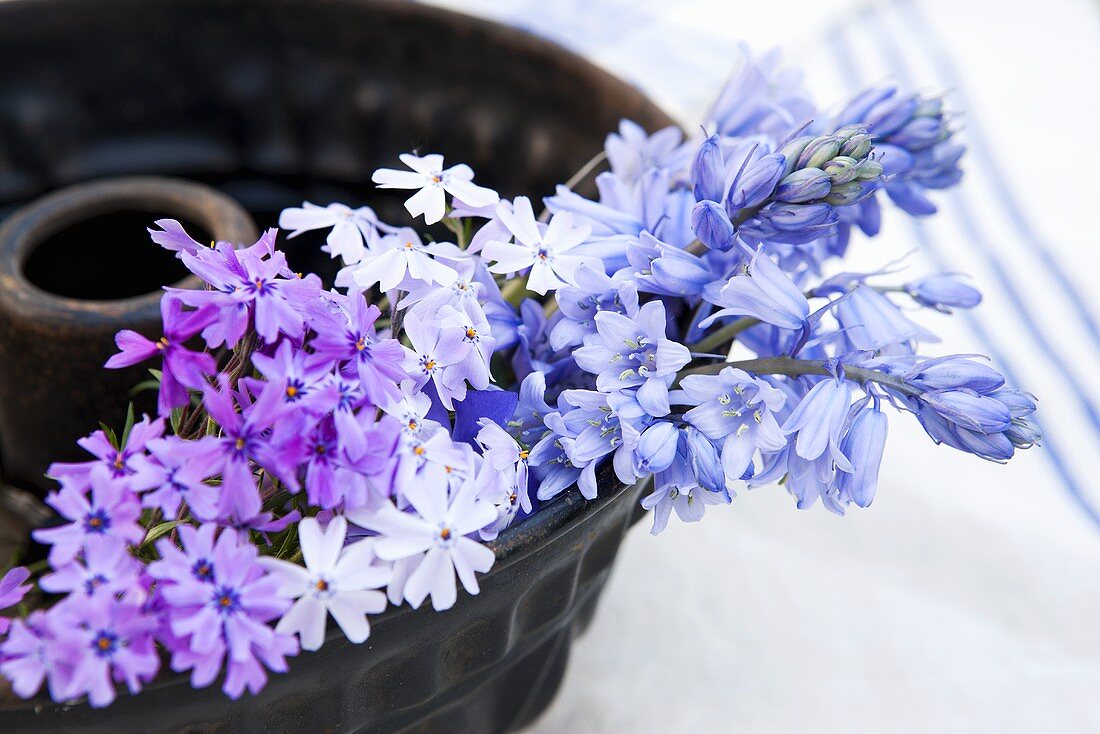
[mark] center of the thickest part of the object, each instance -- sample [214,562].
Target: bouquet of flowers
[329,452]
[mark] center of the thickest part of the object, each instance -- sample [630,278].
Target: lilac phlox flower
[411,409]
[350,228]
[508,457]
[220,609]
[463,294]
[249,286]
[105,640]
[104,567]
[351,336]
[547,249]
[677,487]
[738,410]
[430,456]
[502,489]
[478,346]
[493,229]
[433,182]
[109,509]
[337,580]
[437,529]
[119,462]
[434,349]
[594,291]
[12,591]
[306,376]
[763,292]
[29,657]
[401,260]
[634,353]
[263,432]
[169,476]
[181,368]
[173,237]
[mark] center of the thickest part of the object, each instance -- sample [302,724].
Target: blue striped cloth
[965,598]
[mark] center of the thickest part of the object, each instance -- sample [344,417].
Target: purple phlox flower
[337,580]
[104,568]
[305,376]
[433,182]
[402,261]
[634,353]
[677,487]
[171,475]
[544,248]
[119,462]
[631,152]
[863,444]
[109,510]
[350,228]
[376,361]
[943,292]
[247,436]
[436,528]
[181,367]
[434,349]
[220,609]
[249,285]
[12,591]
[761,96]
[594,291]
[764,292]
[173,237]
[29,657]
[105,640]
[871,322]
[737,409]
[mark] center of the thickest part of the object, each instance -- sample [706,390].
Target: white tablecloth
[967,598]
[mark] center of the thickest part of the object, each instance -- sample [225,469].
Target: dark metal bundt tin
[278,101]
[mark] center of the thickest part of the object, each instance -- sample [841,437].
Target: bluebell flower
[943,292]
[667,270]
[631,152]
[630,353]
[871,322]
[656,448]
[594,292]
[863,444]
[737,409]
[818,420]
[712,226]
[762,97]
[764,292]
[708,171]
[677,486]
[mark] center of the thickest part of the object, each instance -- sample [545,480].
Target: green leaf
[158,531]
[129,422]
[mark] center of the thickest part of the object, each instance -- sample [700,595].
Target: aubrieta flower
[433,182]
[336,580]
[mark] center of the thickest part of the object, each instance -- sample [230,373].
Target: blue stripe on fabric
[848,68]
[941,61]
[962,213]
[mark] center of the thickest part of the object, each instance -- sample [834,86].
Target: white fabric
[967,598]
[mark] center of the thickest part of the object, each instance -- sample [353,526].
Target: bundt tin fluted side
[76,267]
[492,663]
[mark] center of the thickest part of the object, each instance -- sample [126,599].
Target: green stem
[726,334]
[795,367]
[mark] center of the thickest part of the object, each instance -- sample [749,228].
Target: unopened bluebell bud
[857,146]
[849,193]
[807,184]
[795,217]
[712,225]
[842,169]
[970,410]
[958,373]
[863,445]
[920,133]
[888,116]
[819,152]
[756,183]
[708,171]
[943,291]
